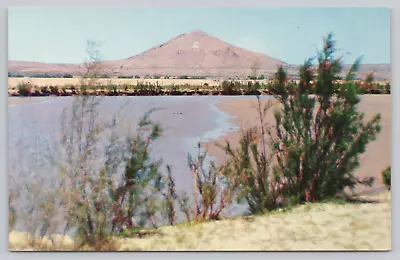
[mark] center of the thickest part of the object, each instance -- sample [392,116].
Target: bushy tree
[96,201]
[315,142]
[319,138]
[368,85]
[141,179]
[24,89]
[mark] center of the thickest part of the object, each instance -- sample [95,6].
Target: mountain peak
[198,32]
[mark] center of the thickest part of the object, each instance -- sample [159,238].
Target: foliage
[314,144]
[54,90]
[11,210]
[24,89]
[95,204]
[231,87]
[318,139]
[252,88]
[387,177]
[170,197]
[211,190]
[249,167]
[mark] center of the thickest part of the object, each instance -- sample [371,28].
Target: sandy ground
[372,162]
[322,226]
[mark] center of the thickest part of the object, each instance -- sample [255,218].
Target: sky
[59,35]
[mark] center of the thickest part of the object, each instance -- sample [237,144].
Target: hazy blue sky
[290,34]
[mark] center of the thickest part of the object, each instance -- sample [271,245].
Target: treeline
[261,77]
[149,89]
[41,75]
[46,75]
[129,77]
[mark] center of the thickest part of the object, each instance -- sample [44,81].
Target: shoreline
[242,116]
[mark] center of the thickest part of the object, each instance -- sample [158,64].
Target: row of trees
[44,75]
[225,88]
[308,155]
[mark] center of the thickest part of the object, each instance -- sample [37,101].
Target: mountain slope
[196,53]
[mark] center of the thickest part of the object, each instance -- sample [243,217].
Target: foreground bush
[210,192]
[319,139]
[315,142]
[250,167]
[101,205]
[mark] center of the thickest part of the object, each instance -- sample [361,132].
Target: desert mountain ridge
[193,54]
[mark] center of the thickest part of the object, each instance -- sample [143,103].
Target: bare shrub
[211,190]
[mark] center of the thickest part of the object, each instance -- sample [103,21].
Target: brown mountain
[194,54]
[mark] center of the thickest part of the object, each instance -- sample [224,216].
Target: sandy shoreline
[372,162]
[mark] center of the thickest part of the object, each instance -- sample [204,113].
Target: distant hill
[193,54]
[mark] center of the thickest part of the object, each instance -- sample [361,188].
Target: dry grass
[322,226]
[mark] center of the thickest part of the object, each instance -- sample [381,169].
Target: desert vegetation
[387,177]
[110,186]
[226,87]
[44,75]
